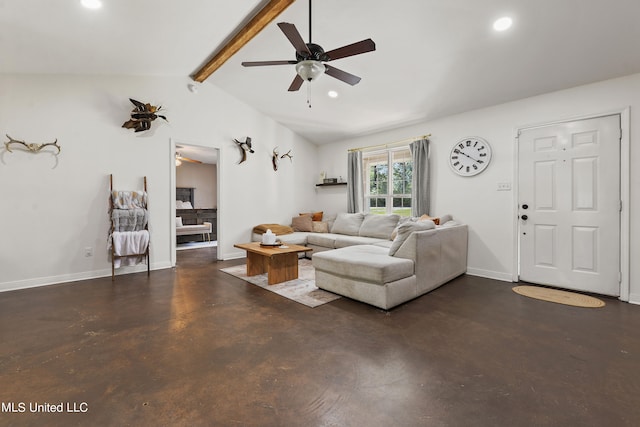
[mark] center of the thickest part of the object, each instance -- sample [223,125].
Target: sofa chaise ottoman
[420,258]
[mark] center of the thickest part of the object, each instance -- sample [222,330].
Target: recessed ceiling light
[91,4]
[502,24]
[332,94]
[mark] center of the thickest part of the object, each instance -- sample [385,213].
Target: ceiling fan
[180,158]
[310,57]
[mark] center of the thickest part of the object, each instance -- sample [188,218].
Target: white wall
[51,208]
[476,201]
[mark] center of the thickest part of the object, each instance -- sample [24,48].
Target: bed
[193,224]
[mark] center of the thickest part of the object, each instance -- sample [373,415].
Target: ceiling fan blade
[341,75]
[186,159]
[261,63]
[296,83]
[294,37]
[352,49]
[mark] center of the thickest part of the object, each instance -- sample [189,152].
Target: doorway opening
[195,195]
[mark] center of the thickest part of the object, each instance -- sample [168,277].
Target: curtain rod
[404,141]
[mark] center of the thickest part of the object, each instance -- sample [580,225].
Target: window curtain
[355,195]
[420,193]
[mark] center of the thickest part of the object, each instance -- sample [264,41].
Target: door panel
[569,198]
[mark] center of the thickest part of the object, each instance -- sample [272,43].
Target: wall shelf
[331,184]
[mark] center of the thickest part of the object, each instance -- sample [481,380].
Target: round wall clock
[470,156]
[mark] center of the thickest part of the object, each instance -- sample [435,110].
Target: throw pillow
[315,216]
[403,219]
[179,221]
[178,204]
[348,223]
[429,218]
[445,218]
[405,230]
[301,223]
[319,227]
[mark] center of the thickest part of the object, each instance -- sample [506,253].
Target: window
[387,181]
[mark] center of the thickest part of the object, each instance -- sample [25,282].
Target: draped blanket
[129,243]
[129,219]
[129,199]
[277,229]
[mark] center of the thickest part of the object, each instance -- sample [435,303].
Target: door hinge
[620,205]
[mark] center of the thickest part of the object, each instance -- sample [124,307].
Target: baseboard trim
[634,298]
[489,274]
[234,255]
[74,277]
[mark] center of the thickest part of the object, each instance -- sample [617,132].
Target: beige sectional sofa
[384,260]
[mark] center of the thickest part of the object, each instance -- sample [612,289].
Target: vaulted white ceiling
[434,57]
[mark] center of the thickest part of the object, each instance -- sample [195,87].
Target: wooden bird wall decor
[142,115]
[244,148]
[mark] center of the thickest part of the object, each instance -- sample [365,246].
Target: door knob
[525,206]
[524,217]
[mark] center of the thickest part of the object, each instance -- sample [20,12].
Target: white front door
[569,205]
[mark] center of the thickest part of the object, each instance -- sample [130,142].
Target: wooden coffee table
[280,264]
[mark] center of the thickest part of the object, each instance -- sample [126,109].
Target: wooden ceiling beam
[267,14]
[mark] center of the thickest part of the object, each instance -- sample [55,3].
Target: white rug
[302,290]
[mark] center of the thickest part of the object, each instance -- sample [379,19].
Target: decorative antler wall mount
[275,157]
[32,147]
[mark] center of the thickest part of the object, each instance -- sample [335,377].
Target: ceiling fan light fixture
[502,24]
[310,70]
[91,4]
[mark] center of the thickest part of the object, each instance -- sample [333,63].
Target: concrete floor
[196,347]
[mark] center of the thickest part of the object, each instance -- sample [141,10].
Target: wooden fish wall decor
[142,115]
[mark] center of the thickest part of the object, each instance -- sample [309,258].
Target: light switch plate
[504,186]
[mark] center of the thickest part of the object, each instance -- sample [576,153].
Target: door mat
[302,290]
[558,296]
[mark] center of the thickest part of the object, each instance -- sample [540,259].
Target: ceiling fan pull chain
[309,95]
[310,22]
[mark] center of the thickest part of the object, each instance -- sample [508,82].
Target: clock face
[470,156]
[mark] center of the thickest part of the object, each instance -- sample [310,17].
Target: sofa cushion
[343,241]
[405,230]
[328,240]
[365,263]
[380,226]
[348,223]
[295,238]
[329,219]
